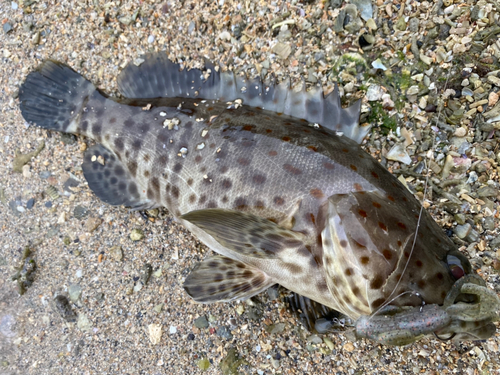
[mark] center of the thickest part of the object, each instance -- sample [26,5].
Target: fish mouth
[468,313]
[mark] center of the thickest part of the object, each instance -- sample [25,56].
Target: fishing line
[421,210]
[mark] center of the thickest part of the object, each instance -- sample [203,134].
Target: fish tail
[54,96]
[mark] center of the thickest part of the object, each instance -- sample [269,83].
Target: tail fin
[53,96]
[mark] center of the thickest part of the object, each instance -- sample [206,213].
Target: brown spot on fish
[224,199]
[400,243]
[132,189]
[421,284]
[197,159]
[248,127]
[175,192]
[243,161]
[312,148]
[259,205]
[377,282]
[317,193]
[382,226]
[375,175]
[361,156]
[112,120]
[286,139]
[376,205]
[226,183]
[439,276]
[356,292]
[132,167]
[224,169]
[272,153]
[145,158]
[365,260]
[328,165]
[192,198]
[136,144]
[343,243]
[97,128]
[377,303]
[311,217]
[291,169]
[107,137]
[202,199]
[211,204]
[240,203]
[362,213]
[269,131]
[177,167]
[401,225]
[357,187]
[353,167]
[387,254]
[190,181]
[348,272]
[419,263]
[345,150]
[84,125]
[259,179]
[128,123]
[278,201]
[391,198]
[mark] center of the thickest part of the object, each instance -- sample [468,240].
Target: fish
[275,182]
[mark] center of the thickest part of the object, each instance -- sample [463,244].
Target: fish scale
[280,198]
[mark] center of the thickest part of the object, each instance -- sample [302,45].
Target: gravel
[432,73]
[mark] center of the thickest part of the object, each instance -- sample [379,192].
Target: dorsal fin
[158,77]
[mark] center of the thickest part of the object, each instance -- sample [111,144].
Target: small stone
[201,322]
[74,292]
[230,363]
[80,212]
[225,333]
[151,39]
[155,331]
[365,8]
[487,191]
[7,27]
[158,308]
[492,99]
[116,253]
[462,230]
[283,50]
[14,5]
[92,223]
[172,330]
[26,171]
[203,364]
[30,203]
[136,234]
[84,323]
[374,93]
[275,328]
[348,347]
[146,272]
[398,153]
[460,132]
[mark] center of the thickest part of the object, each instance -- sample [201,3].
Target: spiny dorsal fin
[220,279]
[158,77]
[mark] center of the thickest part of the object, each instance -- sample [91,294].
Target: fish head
[378,252]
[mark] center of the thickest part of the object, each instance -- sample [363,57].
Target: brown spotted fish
[272,180]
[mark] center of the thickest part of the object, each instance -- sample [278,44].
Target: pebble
[348,347]
[224,332]
[30,203]
[136,234]
[7,324]
[116,253]
[398,153]
[92,223]
[172,330]
[151,39]
[80,212]
[462,231]
[203,364]
[492,98]
[283,50]
[7,27]
[201,322]
[365,8]
[84,323]
[74,292]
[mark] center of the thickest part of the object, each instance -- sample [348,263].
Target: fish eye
[458,265]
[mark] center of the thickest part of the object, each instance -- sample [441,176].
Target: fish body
[280,200]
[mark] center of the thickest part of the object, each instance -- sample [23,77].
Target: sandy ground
[75,238]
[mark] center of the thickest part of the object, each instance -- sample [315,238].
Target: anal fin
[220,279]
[110,180]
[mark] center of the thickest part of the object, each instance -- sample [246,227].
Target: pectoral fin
[244,233]
[220,279]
